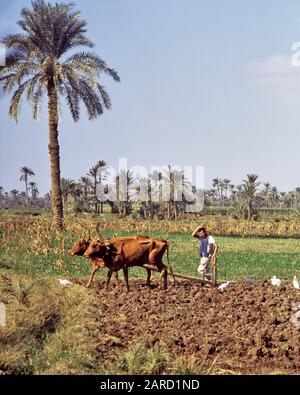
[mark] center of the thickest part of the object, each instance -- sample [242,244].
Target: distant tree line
[250,195]
[81,196]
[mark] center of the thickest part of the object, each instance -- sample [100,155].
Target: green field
[54,329]
[237,257]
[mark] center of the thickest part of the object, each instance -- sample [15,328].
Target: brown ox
[81,246]
[120,254]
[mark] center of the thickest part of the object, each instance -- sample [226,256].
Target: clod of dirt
[249,328]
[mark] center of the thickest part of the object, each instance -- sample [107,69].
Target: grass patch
[140,360]
[34,248]
[49,329]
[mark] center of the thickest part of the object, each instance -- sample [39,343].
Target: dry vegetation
[72,330]
[187,329]
[49,329]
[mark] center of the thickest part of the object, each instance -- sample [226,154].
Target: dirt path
[244,329]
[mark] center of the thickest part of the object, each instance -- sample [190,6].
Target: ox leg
[148,277]
[165,278]
[116,279]
[108,278]
[152,277]
[95,268]
[125,271]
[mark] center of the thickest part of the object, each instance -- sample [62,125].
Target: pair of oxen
[121,253]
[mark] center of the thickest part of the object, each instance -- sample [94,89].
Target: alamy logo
[2,314]
[2,54]
[160,184]
[296,56]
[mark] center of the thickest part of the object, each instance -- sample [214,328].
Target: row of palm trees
[129,192]
[21,197]
[16,198]
[140,198]
[224,193]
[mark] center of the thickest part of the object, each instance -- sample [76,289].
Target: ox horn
[98,232]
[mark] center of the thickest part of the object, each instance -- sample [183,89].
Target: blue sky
[206,83]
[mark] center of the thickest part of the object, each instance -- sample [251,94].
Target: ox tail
[169,265]
[98,232]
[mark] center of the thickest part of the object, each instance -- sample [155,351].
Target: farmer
[208,250]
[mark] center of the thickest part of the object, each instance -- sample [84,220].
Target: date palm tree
[226,183]
[249,190]
[37,65]
[177,185]
[216,183]
[25,173]
[67,188]
[85,182]
[98,173]
[93,174]
[102,173]
[1,193]
[34,190]
[14,193]
[124,182]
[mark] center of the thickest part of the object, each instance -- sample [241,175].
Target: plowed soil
[245,329]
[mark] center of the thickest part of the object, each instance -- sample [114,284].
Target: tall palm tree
[25,173]
[177,185]
[23,198]
[248,190]
[216,182]
[1,193]
[297,195]
[38,66]
[123,185]
[67,187]
[85,185]
[14,194]
[226,183]
[34,190]
[98,173]
[102,173]
[93,174]
[267,186]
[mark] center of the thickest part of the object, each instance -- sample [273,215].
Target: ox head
[80,247]
[99,249]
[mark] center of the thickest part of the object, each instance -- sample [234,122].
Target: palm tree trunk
[95,189]
[175,210]
[250,210]
[27,200]
[66,204]
[101,202]
[56,196]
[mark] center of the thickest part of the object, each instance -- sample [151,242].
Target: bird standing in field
[64,282]
[276,281]
[223,286]
[296,283]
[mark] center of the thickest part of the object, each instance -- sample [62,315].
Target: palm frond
[105,96]
[14,107]
[90,99]
[37,98]
[49,31]
[72,99]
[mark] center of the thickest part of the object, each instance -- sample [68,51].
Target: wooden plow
[213,282]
